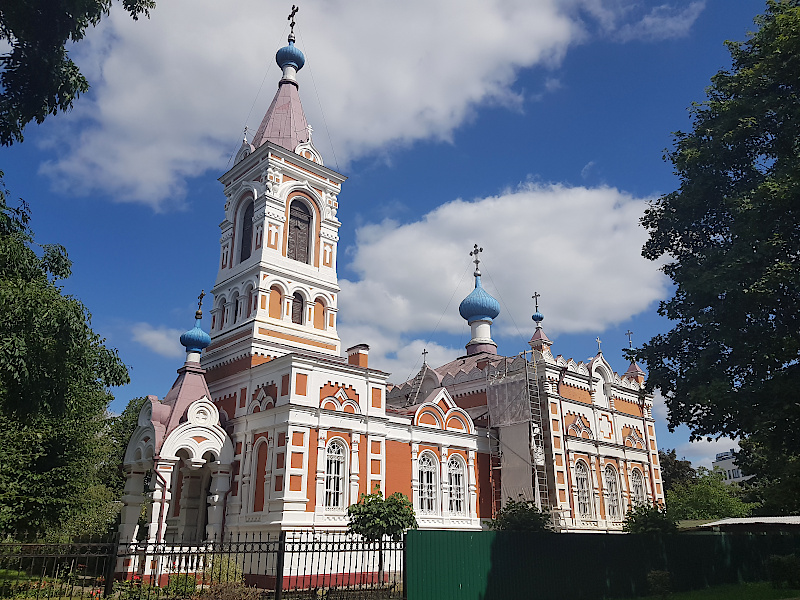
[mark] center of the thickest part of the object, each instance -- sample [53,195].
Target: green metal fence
[487,565]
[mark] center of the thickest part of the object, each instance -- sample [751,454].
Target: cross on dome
[199,313]
[598,344]
[537,316]
[476,260]
[291,19]
[424,356]
[629,333]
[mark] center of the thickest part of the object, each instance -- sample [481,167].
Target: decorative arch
[199,434]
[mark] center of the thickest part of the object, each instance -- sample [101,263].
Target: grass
[745,591]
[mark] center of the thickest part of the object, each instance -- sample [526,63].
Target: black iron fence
[245,566]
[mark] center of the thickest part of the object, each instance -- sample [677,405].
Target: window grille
[584,493]
[247,233]
[637,483]
[455,471]
[427,485]
[335,476]
[612,490]
[297,308]
[299,232]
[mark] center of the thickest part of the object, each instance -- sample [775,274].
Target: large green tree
[706,497]
[674,470]
[54,375]
[730,239]
[37,76]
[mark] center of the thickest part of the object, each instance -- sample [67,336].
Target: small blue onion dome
[479,305]
[290,55]
[195,339]
[537,316]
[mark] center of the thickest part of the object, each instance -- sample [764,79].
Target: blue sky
[535,129]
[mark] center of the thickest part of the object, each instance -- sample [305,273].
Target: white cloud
[161,340]
[171,93]
[662,22]
[703,452]
[579,247]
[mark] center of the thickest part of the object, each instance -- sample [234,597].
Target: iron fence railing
[247,566]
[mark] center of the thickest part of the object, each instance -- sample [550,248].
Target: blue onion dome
[195,339]
[290,55]
[538,317]
[479,305]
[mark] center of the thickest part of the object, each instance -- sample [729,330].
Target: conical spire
[285,122]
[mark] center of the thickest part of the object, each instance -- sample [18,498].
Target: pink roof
[285,122]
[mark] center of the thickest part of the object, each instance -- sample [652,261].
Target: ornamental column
[472,485]
[220,484]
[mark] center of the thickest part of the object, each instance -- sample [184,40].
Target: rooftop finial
[476,260]
[629,333]
[291,22]
[244,135]
[199,313]
[598,344]
[537,316]
[424,356]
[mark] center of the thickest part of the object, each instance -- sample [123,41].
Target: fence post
[111,566]
[279,566]
[405,566]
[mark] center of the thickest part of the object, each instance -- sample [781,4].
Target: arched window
[260,478]
[427,484]
[612,493]
[246,234]
[297,308]
[236,308]
[275,305]
[584,491]
[455,476]
[335,469]
[299,246]
[637,486]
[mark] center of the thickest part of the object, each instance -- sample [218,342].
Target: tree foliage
[774,487]
[521,515]
[649,519]
[731,238]
[707,497]
[374,516]
[54,374]
[674,471]
[37,77]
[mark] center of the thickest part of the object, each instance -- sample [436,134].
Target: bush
[231,591]
[659,583]
[223,568]
[784,569]
[521,515]
[649,518]
[181,584]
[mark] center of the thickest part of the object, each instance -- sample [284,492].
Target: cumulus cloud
[171,93]
[578,246]
[161,340]
[662,22]
[703,452]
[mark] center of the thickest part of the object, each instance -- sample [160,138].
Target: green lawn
[745,591]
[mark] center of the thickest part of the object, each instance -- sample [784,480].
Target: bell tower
[276,290]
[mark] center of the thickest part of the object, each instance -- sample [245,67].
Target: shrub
[784,569]
[649,518]
[181,584]
[521,515]
[223,568]
[659,583]
[231,591]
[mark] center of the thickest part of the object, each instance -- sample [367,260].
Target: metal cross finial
[309,130]
[598,344]
[246,129]
[536,296]
[199,313]
[424,356]
[476,260]
[629,333]
[291,18]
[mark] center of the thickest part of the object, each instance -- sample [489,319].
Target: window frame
[428,496]
[341,478]
[583,494]
[638,494]
[611,484]
[456,490]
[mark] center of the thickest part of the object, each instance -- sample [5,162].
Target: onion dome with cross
[289,58]
[479,309]
[196,339]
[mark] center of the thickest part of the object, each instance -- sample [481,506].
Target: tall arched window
[612,493]
[455,476]
[335,469]
[427,484]
[637,486]
[298,247]
[583,489]
[246,234]
[297,308]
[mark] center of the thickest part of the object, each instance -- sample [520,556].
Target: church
[271,426]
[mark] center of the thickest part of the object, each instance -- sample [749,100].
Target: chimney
[357,355]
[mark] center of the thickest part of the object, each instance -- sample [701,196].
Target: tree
[375,517]
[707,497]
[648,519]
[54,375]
[674,471]
[37,77]
[731,240]
[521,515]
[774,487]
